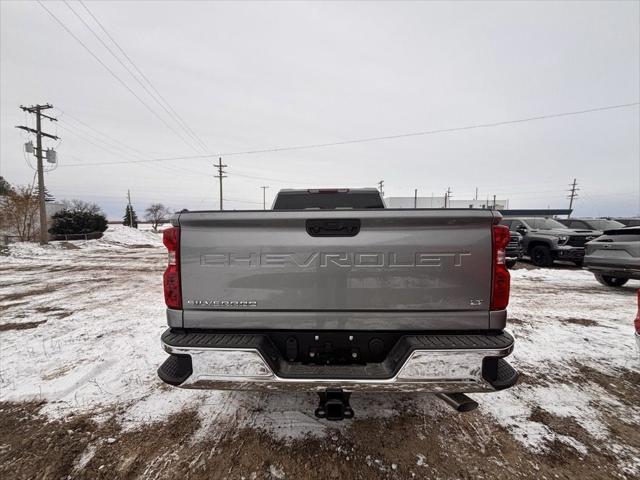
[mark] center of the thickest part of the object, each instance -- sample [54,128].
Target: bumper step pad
[175,369]
[507,376]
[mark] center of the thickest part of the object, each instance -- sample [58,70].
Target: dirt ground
[408,445]
[79,397]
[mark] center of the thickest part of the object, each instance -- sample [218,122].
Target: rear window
[543,223]
[630,234]
[327,200]
[601,224]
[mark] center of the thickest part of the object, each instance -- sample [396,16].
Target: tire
[510,263]
[541,256]
[609,281]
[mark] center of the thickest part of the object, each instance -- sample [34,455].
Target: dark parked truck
[513,252]
[338,300]
[546,240]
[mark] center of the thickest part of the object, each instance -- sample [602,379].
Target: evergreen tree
[47,194]
[5,187]
[130,218]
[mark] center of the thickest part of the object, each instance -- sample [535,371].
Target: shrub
[68,222]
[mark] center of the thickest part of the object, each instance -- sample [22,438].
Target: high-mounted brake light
[501,277]
[171,277]
[328,190]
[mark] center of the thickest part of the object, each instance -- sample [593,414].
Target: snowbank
[119,234]
[115,235]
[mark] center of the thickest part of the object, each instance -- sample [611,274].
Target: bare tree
[80,206]
[157,213]
[19,213]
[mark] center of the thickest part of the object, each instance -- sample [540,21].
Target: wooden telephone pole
[37,111]
[220,175]
[573,194]
[447,198]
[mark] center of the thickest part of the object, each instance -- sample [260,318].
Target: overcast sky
[253,76]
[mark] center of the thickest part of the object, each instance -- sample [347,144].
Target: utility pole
[220,175]
[415,198]
[447,197]
[381,187]
[264,196]
[130,209]
[573,194]
[476,194]
[494,202]
[37,111]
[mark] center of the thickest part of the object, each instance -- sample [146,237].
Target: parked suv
[545,239]
[513,252]
[614,258]
[600,224]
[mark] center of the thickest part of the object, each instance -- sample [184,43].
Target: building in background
[439,202]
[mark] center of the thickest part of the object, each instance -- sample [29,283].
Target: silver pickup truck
[316,295]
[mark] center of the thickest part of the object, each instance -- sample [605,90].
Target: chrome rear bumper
[449,370]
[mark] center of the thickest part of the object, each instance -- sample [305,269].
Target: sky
[227,78]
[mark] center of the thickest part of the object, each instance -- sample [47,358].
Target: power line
[280,180]
[63,114]
[116,147]
[128,149]
[121,149]
[242,201]
[114,75]
[121,152]
[124,65]
[388,137]
[179,120]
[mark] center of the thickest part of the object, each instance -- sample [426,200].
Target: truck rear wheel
[541,256]
[610,281]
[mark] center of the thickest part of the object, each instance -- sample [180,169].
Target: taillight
[636,322]
[501,277]
[171,277]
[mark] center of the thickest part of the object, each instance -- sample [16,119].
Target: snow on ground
[100,304]
[81,323]
[563,322]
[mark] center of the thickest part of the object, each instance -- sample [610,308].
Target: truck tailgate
[360,269]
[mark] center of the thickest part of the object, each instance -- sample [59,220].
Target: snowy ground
[79,335]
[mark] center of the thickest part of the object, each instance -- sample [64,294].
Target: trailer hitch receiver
[334,405]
